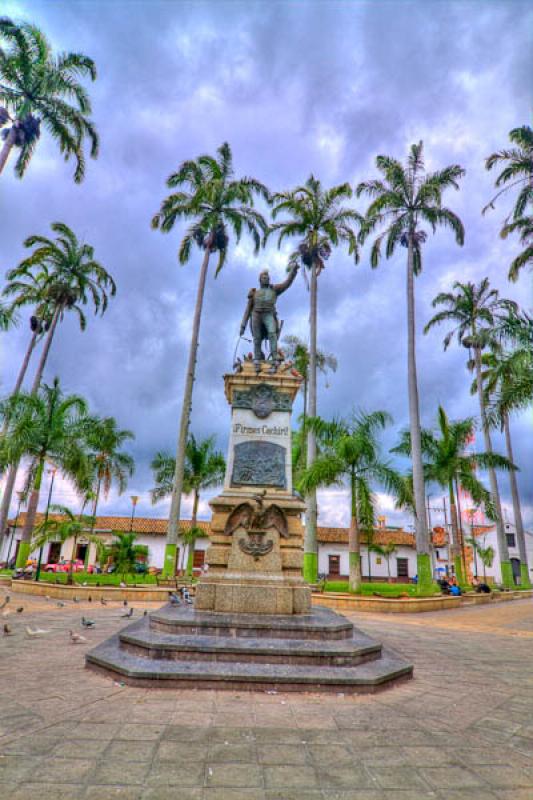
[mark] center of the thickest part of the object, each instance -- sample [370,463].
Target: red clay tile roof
[140,524]
[158,526]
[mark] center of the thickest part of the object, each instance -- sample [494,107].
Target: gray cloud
[295,88]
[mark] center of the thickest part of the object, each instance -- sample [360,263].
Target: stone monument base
[180,647]
[240,594]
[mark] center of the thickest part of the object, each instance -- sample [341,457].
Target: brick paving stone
[248,776]
[112,771]
[282,754]
[291,777]
[461,730]
[57,791]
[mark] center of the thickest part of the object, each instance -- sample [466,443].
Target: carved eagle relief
[256,522]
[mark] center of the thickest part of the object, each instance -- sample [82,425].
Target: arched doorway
[515,565]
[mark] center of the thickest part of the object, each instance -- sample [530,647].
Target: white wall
[378,570]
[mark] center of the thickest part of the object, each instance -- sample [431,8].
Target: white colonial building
[398,565]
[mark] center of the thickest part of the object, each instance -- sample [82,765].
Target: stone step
[142,640]
[321,624]
[371,676]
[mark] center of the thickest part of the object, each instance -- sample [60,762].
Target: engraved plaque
[262,399]
[258,464]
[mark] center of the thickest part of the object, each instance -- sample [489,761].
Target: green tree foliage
[207,192]
[319,219]
[204,468]
[66,525]
[44,427]
[108,463]
[350,456]
[448,463]
[516,174]
[403,200]
[475,311]
[38,88]
[124,553]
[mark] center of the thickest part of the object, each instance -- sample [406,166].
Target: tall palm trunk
[12,475]
[422,539]
[46,350]
[6,149]
[95,504]
[354,543]
[194,517]
[169,566]
[505,563]
[457,537]
[517,511]
[12,472]
[25,540]
[310,540]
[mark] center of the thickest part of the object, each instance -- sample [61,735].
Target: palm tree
[498,376]
[385,550]
[63,527]
[476,310]
[44,427]
[486,555]
[207,192]
[317,217]
[8,317]
[38,88]
[402,201]
[107,462]
[517,173]
[447,463]
[296,350]
[124,553]
[64,274]
[350,452]
[204,468]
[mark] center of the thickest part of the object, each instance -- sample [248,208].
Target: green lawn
[98,580]
[388,589]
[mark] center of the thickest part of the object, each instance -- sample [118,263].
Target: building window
[378,560]
[198,559]
[402,567]
[437,554]
[334,565]
[511,542]
[54,552]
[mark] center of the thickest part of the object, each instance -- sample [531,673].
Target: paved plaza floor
[461,730]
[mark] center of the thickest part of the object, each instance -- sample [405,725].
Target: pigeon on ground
[87,623]
[145,613]
[75,599]
[174,599]
[103,601]
[47,597]
[32,632]
[77,638]
[128,614]
[125,603]
[60,604]
[89,599]
[20,609]
[6,601]
[7,630]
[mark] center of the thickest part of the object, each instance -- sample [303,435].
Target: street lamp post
[21,498]
[51,472]
[134,500]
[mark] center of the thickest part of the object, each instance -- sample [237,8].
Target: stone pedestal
[256,551]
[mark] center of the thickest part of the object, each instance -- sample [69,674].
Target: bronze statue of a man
[261,310]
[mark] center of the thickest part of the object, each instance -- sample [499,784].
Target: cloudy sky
[294,87]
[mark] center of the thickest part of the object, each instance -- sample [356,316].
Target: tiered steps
[178,647]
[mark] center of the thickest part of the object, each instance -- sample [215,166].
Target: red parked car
[64,566]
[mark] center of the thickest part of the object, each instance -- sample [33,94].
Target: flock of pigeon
[175,599]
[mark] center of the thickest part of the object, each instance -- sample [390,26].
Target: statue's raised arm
[261,312]
[279,288]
